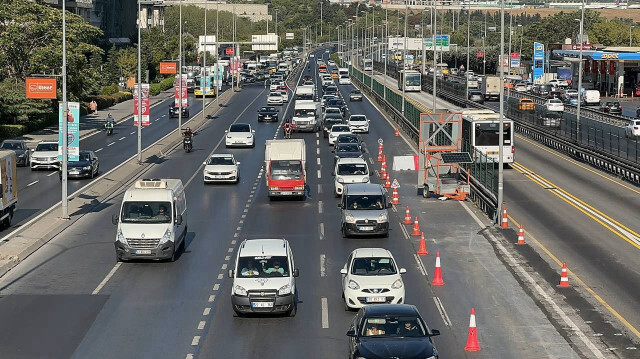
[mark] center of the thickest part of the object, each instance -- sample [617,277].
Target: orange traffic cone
[422,250]
[416,228]
[437,275]
[395,199]
[380,156]
[407,216]
[387,184]
[505,220]
[384,164]
[472,337]
[521,235]
[397,132]
[564,276]
[383,174]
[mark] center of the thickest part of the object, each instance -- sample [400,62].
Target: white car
[45,155]
[358,123]
[633,128]
[337,130]
[221,168]
[275,98]
[308,83]
[558,83]
[520,87]
[240,134]
[327,82]
[284,94]
[344,80]
[350,170]
[371,276]
[331,62]
[554,104]
[274,85]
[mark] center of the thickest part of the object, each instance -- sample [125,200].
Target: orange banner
[41,88]
[168,68]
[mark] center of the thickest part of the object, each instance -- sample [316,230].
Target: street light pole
[65,114]
[435,60]
[180,71]
[468,44]
[630,27]
[276,10]
[204,62]
[320,17]
[139,84]
[219,76]
[386,52]
[404,57]
[424,48]
[581,42]
[510,31]
[501,124]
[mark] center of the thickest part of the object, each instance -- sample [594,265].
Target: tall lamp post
[180,71]
[65,111]
[435,53]
[468,44]
[501,123]
[139,88]
[581,44]
[404,56]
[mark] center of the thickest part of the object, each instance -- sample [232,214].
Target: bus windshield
[487,134]
[412,79]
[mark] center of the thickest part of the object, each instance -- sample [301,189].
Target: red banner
[479,54]
[603,67]
[594,66]
[612,67]
[38,87]
[515,55]
[146,106]
[229,51]
[176,85]
[586,66]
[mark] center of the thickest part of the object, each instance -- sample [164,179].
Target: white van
[264,278]
[350,170]
[152,223]
[591,98]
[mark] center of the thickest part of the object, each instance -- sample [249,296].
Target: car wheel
[294,309]
[346,307]
[344,232]
[119,259]
[237,314]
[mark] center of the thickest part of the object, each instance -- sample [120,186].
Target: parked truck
[9,193]
[491,87]
[285,163]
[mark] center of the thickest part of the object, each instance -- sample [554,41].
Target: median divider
[26,239]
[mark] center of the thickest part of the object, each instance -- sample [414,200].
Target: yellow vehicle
[210,92]
[526,104]
[334,74]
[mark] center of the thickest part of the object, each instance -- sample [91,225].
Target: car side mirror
[179,219]
[389,205]
[403,271]
[204,163]
[114,219]
[253,131]
[339,205]
[237,163]
[343,271]
[351,333]
[230,273]
[226,131]
[296,273]
[434,333]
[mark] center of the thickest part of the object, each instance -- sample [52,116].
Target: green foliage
[14,107]
[109,90]
[163,85]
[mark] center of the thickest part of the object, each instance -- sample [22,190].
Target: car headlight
[353,285]
[382,218]
[298,188]
[274,188]
[284,290]
[340,179]
[120,237]
[349,218]
[234,171]
[365,179]
[239,290]
[249,137]
[22,155]
[397,284]
[86,168]
[166,237]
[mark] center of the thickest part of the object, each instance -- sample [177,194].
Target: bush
[104,101]
[109,90]
[163,85]
[11,131]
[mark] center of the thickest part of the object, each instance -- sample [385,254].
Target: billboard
[208,44]
[442,43]
[168,68]
[397,44]
[146,107]
[289,36]
[267,42]
[538,61]
[515,59]
[176,86]
[73,131]
[42,88]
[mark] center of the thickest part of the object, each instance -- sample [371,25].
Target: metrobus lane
[95,304]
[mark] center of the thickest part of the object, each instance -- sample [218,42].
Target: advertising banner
[73,131]
[442,43]
[9,180]
[267,42]
[168,68]
[218,71]
[289,36]
[515,59]
[146,106]
[538,61]
[397,44]
[479,54]
[42,88]
[178,96]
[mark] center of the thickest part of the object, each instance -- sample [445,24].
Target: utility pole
[424,48]
[484,52]
[386,53]
[276,10]
[204,62]
[65,114]
[510,31]
[501,129]
[468,44]
[180,72]
[320,17]
[435,57]
[218,57]
[139,86]
[402,75]
[581,42]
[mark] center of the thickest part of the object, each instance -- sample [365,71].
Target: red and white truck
[285,164]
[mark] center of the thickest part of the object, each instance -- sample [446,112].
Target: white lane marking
[99,149]
[236,235]
[320,209]
[317,135]
[34,182]
[220,276]
[216,286]
[106,279]
[122,138]
[201,325]
[226,258]
[319,174]
[325,313]
[52,173]
[111,144]
[157,119]
[233,241]
[319,188]
[318,150]
[443,313]
[321,231]
[404,231]
[323,259]
[533,284]
[421,266]
[206,311]
[212,298]
[132,132]
[371,160]
[394,208]
[189,356]
[224,266]
[196,340]
[318,161]
[317,142]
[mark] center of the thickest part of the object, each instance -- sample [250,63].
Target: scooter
[187,144]
[109,129]
[287,133]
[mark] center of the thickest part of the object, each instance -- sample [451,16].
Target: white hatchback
[337,130]
[554,104]
[633,128]
[371,276]
[350,170]
[358,123]
[240,134]
[221,168]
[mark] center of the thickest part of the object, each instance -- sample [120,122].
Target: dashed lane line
[99,149]
[212,298]
[201,324]
[132,132]
[319,174]
[53,173]
[320,207]
[325,313]
[206,311]
[318,150]
[34,182]
[195,341]
[106,279]
[122,138]
[319,188]
[323,259]
[421,266]
[318,161]
[111,144]
[443,312]
[322,231]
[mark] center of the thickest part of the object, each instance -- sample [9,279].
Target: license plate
[262,304]
[365,228]
[376,299]
[143,251]
[238,142]
[219,177]
[286,192]
[267,117]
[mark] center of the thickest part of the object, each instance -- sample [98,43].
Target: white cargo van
[264,278]
[592,98]
[152,223]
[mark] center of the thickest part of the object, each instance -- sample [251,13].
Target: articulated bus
[480,128]
[411,80]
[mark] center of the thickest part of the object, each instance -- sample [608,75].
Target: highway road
[72,299]
[586,218]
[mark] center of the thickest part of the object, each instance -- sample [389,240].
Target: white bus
[367,64]
[480,128]
[411,80]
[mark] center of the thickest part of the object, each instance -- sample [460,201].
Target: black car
[331,90]
[328,122]
[543,90]
[355,95]
[555,94]
[339,103]
[638,112]
[351,138]
[268,113]
[346,150]
[388,331]
[20,148]
[612,107]
[87,166]
[476,96]
[173,111]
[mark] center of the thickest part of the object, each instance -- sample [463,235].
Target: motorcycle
[187,144]
[109,129]
[287,132]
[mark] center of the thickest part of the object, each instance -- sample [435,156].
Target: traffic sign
[380,141]
[395,184]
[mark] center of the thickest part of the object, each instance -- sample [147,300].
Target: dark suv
[173,111]
[612,107]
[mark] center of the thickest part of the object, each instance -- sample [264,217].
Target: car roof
[358,160]
[260,247]
[48,142]
[13,141]
[363,189]
[390,310]
[222,155]
[371,252]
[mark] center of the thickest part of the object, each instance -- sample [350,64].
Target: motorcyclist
[187,134]
[287,127]
[108,125]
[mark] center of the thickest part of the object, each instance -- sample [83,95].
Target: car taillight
[513,150]
[635,128]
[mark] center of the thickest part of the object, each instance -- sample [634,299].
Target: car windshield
[373,266]
[12,146]
[146,212]
[392,327]
[268,109]
[83,157]
[302,112]
[240,127]
[373,202]
[357,118]
[220,161]
[340,128]
[262,267]
[352,169]
[347,139]
[336,103]
[356,92]
[275,94]
[347,147]
[332,110]
[286,170]
[555,101]
[47,147]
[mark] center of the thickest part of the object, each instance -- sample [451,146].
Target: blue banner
[73,131]
[538,60]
